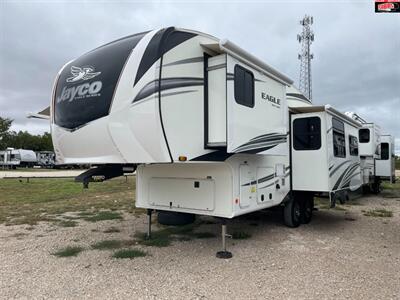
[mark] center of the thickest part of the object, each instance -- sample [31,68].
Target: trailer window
[353,145]
[363,135]
[385,151]
[307,133]
[339,141]
[244,86]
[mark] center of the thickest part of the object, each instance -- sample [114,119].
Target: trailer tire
[307,209]
[292,213]
[175,218]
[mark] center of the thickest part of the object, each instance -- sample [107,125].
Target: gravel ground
[340,255]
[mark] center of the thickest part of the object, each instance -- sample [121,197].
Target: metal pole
[224,254]
[149,211]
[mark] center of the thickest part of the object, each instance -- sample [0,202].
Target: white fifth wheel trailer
[205,124]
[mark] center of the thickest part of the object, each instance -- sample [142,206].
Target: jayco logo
[84,73]
[84,90]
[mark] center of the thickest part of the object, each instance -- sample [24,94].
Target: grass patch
[103,216]
[107,244]
[68,251]
[391,190]
[381,212]
[112,230]
[240,235]
[129,253]
[41,199]
[67,223]
[164,237]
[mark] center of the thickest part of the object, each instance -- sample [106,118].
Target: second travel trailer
[205,124]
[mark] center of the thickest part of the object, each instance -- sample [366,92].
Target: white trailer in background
[205,123]
[13,158]
[385,165]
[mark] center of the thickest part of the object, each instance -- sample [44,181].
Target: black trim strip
[219,155]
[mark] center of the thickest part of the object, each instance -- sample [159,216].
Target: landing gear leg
[149,211]
[224,254]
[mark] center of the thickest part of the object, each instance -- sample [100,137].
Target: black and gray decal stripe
[338,167]
[350,171]
[261,180]
[341,178]
[347,182]
[219,155]
[259,146]
[271,184]
[167,84]
[163,41]
[185,61]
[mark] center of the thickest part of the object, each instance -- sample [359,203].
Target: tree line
[22,139]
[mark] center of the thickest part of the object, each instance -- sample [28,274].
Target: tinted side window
[385,151]
[307,133]
[353,145]
[244,86]
[339,141]
[363,135]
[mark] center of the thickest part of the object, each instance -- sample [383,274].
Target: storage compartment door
[216,102]
[186,193]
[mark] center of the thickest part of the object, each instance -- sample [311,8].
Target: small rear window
[86,85]
[363,135]
[385,151]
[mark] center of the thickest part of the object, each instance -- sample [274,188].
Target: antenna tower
[306,38]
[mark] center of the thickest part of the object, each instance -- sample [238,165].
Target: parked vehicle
[13,158]
[210,128]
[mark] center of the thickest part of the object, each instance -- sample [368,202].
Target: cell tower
[306,38]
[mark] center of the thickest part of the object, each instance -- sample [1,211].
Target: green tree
[5,124]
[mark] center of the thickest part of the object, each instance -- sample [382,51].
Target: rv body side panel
[182,106]
[243,183]
[199,188]
[256,110]
[344,168]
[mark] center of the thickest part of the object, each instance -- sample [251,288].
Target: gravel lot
[340,255]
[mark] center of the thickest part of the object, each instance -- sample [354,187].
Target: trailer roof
[329,109]
[226,46]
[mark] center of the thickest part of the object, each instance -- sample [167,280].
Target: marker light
[182,158]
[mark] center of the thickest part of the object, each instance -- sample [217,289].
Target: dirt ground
[342,254]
